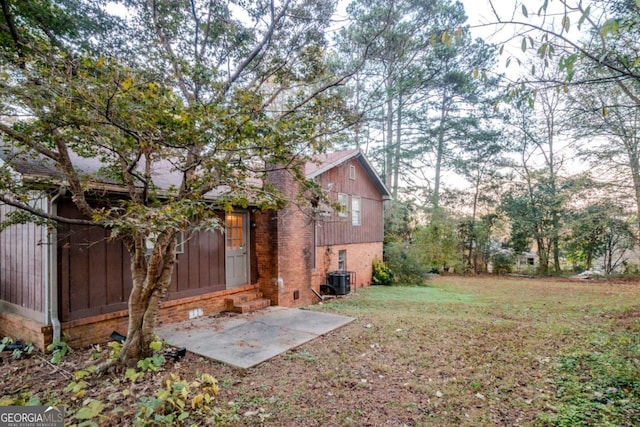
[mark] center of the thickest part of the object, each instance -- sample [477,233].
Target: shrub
[382,274]
[405,262]
[502,263]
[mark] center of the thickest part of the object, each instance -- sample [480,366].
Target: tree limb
[275,19]
[42,214]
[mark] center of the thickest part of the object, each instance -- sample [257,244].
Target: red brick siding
[293,243]
[26,330]
[359,259]
[266,254]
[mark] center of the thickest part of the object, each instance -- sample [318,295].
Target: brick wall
[295,246]
[359,259]
[26,330]
[266,254]
[293,242]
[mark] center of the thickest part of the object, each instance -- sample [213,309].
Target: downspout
[52,259]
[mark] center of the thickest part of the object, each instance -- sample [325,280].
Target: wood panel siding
[334,229]
[23,266]
[94,273]
[200,268]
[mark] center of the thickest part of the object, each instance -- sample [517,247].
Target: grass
[496,350]
[461,351]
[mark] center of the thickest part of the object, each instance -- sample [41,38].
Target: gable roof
[324,162]
[165,175]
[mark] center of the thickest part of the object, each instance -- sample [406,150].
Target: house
[73,280]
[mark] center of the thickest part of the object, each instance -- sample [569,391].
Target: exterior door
[237,249]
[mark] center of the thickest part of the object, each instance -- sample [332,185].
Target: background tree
[458,104]
[399,89]
[390,33]
[605,118]
[585,243]
[215,93]
[482,163]
[531,207]
[619,238]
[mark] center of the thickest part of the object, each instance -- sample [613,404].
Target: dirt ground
[461,352]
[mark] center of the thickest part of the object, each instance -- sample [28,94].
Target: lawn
[459,352]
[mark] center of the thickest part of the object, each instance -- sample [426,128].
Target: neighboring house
[73,280]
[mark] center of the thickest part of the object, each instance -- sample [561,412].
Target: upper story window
[352,172]
[356,211]
[343,200]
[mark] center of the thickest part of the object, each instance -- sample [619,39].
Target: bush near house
[382,274]
[406,263]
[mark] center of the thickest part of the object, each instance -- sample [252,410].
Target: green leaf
[584,16]
[544,6]
[156,345]
[91,410]
[542,50]
[524,11]
[523,45]
[34,401]
[610,26]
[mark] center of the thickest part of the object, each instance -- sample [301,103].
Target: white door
[237,249]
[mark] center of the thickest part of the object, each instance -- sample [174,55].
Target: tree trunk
[543,256]
[388,167]
[151,279]
[589,260]
[439,152]
[474,213]
[634,165]
[396,151]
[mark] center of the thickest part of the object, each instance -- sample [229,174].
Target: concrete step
[249,306]
[242,297]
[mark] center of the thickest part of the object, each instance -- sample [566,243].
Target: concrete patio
[246,340]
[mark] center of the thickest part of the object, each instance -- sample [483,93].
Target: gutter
[52,259]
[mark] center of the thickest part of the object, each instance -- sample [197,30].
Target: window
[352,172]
[150,241]
[234,230]
[356,218]
[180,243]
[343,200]
[342,260]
